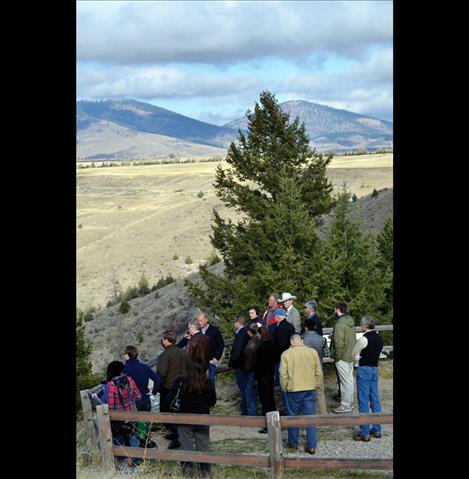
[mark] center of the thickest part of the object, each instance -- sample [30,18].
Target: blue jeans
[277,382]
[212,373]
[241,381]
[251,395]
[306,401]
[120,440]
[367,394]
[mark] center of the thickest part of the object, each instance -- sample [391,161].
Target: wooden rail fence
[276,460]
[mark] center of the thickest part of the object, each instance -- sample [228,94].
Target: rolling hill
[330,129]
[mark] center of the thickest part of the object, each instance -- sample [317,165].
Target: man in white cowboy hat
[293,316]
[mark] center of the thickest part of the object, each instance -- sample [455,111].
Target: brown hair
[198,347]
[264,333]
[197,381]
[170,336]
[131,351]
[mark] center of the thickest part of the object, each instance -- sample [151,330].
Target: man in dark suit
[239,344]
[216,345]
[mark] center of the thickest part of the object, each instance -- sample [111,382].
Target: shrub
[354,197]
[109,304]
[130,293]
[88,314]
[143,286]
[188,260]
[200,194]
[175,257]
[374,194]
[213,259]
[124,307]
[80,226]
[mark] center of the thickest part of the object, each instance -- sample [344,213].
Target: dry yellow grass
[133,219]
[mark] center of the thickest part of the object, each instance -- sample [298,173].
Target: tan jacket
[300,369]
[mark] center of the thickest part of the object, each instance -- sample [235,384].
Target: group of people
[274,349]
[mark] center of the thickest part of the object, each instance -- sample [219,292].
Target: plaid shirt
[128,391]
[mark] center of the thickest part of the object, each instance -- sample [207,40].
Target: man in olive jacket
[343,341]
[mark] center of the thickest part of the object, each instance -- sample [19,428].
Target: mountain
[103,140]
[330,129]
[171,307]
[145,118]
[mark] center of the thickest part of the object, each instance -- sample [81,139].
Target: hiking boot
[310,450]
[291,446]
[342,410]
[359,437]
[375,434]
[263,431]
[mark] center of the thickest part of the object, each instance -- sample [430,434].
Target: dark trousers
[194,438]
[265,385]
[164,407]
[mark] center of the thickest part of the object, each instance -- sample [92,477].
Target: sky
[210,60]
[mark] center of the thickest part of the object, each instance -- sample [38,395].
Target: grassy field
[134,219]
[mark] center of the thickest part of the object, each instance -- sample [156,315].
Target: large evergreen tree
[278,184]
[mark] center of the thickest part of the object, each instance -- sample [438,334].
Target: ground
[135,219]
[332,441]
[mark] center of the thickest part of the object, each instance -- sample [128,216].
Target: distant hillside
[103,140]
[171,306]
[143,117]
[330,129]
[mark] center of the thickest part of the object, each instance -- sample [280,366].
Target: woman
[264,371]
[197,396]
[198,345]
[120,393]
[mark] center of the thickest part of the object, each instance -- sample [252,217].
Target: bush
[175,257]
[80,226]
[109,304]
[124,307]
[164,282]
[188,260]
[354,197]
[88,314]
[213,259]
[200,194]
[130,293]
[374,194]
[143,286]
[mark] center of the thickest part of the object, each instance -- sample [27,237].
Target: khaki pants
[321,401]
[345,370]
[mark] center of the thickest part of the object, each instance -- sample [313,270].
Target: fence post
[88,417]
[275,444]
[105,436]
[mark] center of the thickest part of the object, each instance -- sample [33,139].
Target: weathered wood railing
[276,460]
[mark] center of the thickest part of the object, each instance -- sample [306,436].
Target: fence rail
[275,460]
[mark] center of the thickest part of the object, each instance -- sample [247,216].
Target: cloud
[227,32]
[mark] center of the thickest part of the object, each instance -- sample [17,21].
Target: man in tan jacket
[301,378]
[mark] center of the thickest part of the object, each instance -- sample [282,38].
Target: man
[172,364]
[313,340]
[281,335]
[311,309]
[248,361]
[141,373]
[234,362]
[268,316]
[293,316]
[301,385]
[216,345]
[343,342]
[254,317]
[367,350]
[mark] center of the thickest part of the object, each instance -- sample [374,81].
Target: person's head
[169,338]
[202,320]
[193,327]
[310,325]
[264,333]
[252,330]
[196,380]
[311,307]
[279,315]
[273,300]
[239,321]
[287,300]
[295,339]
[340,309]
[130,352]
[367,323]
[253,312]
[114,369]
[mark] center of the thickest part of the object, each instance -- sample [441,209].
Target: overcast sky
[209,60]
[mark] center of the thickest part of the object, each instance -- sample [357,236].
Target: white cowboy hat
[286,296]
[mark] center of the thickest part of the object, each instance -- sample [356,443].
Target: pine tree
[279,187]
[384,242]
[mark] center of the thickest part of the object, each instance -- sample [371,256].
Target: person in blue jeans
[366,354]
[301,377]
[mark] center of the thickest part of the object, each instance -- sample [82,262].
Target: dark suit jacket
[217,344]
[282,336]
[241,339]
